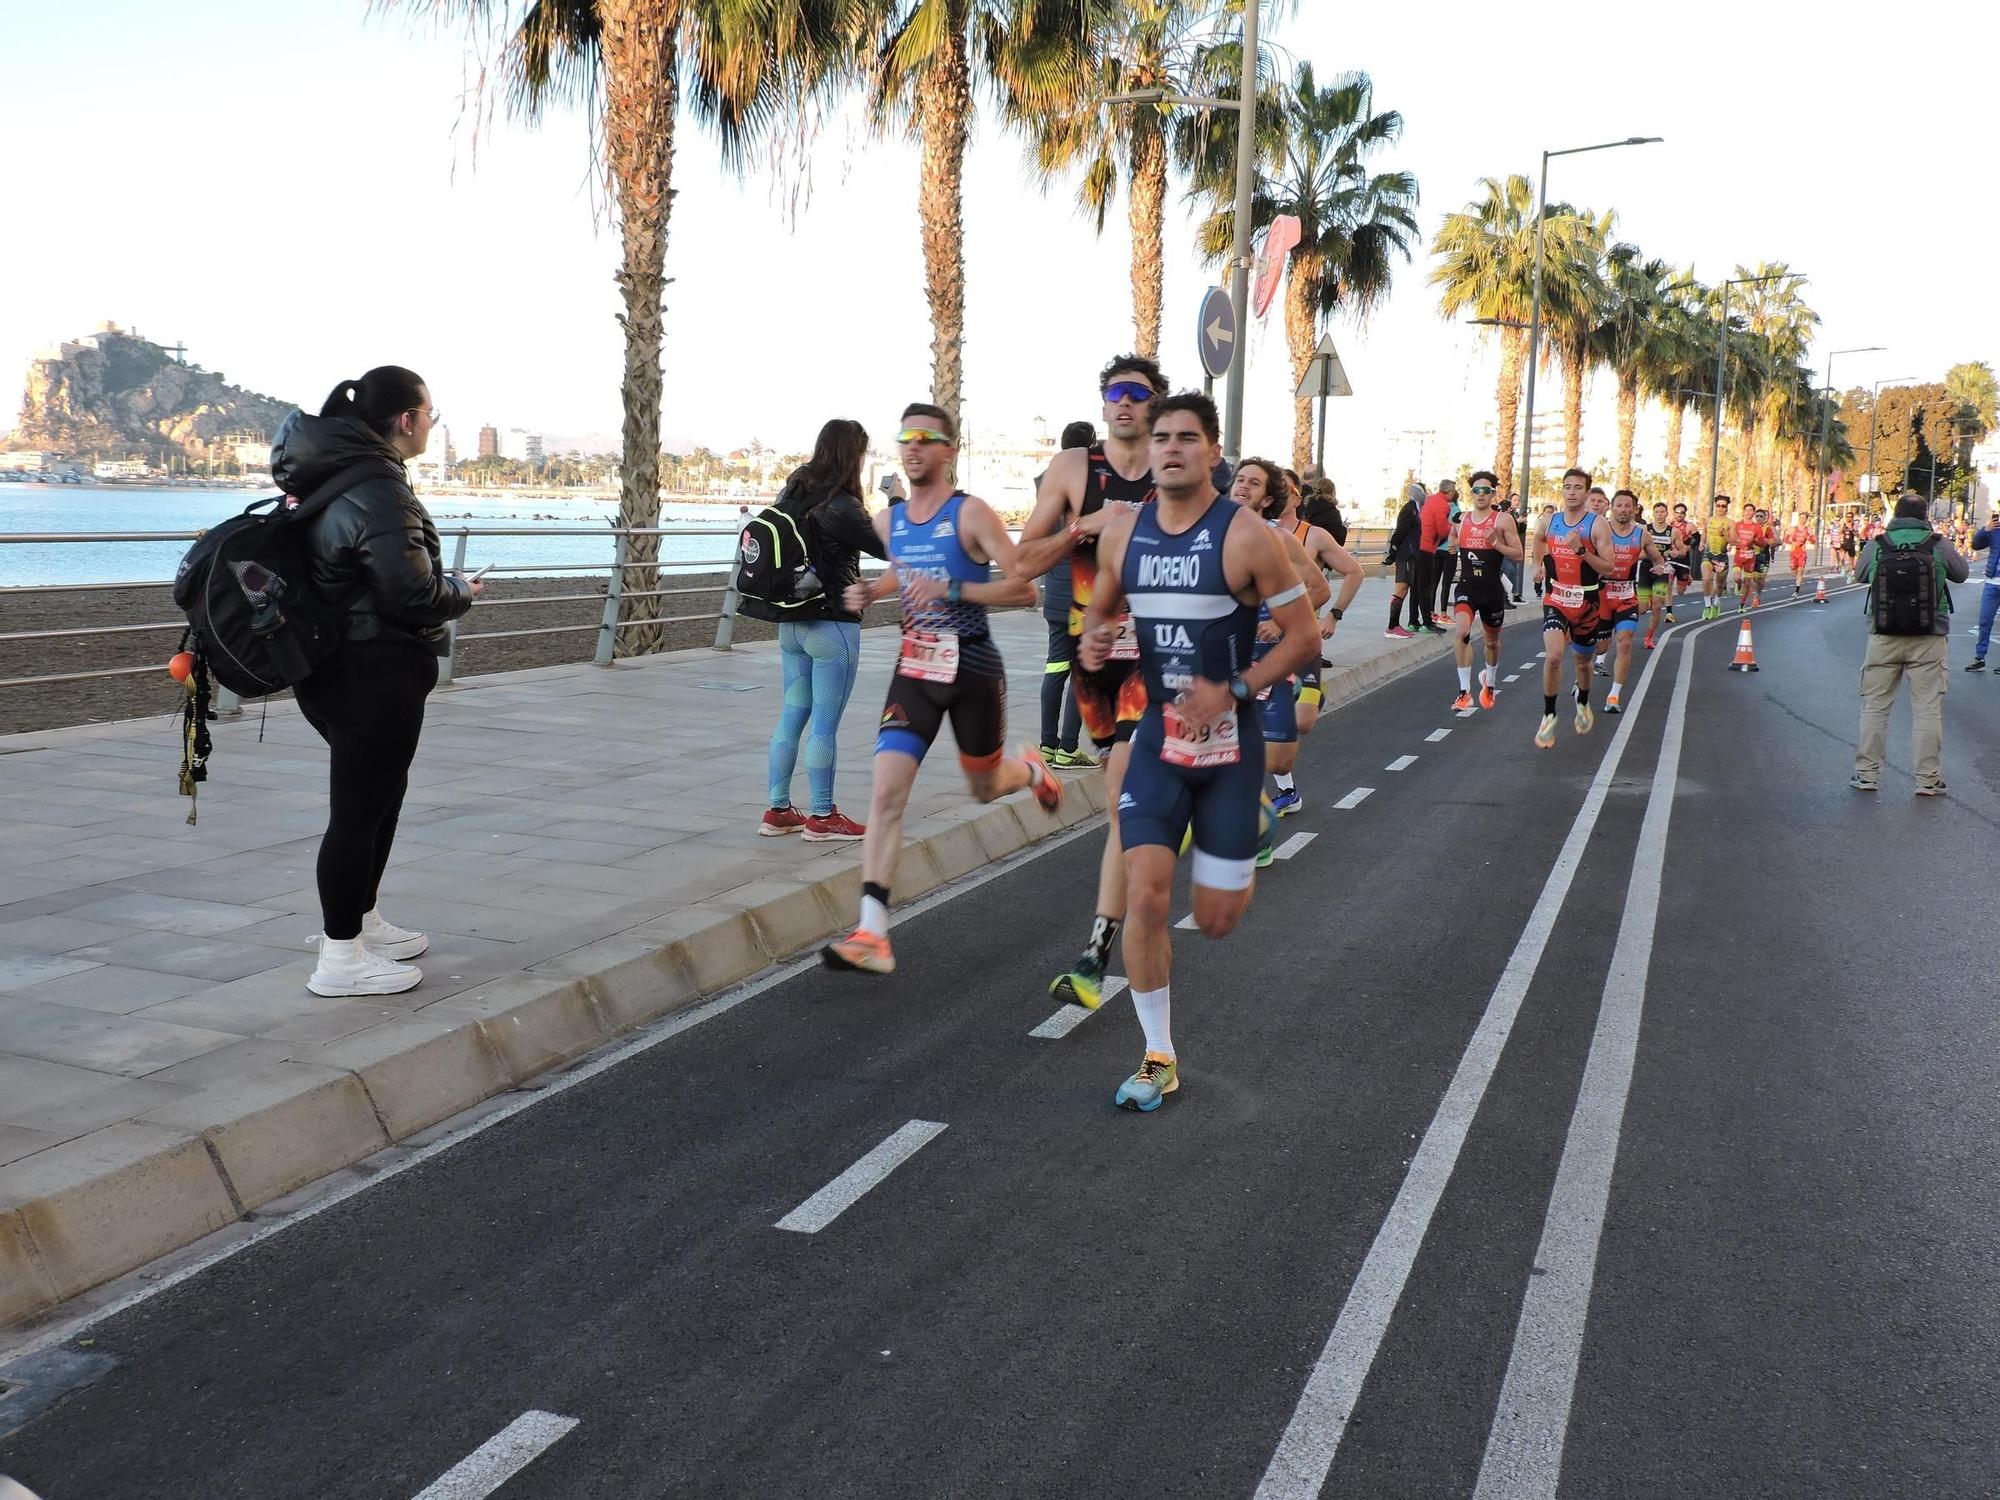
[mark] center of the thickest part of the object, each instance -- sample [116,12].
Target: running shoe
[1486,695]
[1861,783]
[1930,789]
[1287,802]
[1977,664]
[1397,633]
[360,971]
[1078,759]
[1599,669]
[1082,985]
[835,828]
[1042,781]
[860,949]
[1157,1077]
[1611,707]
[387,940]
[1584,718]
[1545,737]
[1649,640]
[779,821]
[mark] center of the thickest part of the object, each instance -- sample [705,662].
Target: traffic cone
[1819,592]
[1746,655]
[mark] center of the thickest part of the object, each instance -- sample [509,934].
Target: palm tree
[1573,328]
[1685,364]
[627,62]
[1353,223]
[1778,317]
[1145,44]
[1636,338]
[1486,266]
[1032,55]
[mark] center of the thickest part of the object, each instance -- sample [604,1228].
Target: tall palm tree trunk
[1676,414]
[1147,209]
[1704,443]
[641,91]
[1628,419]
[1572,411]
[1308,271]
[944,115]
[1507,416]
[1743,440]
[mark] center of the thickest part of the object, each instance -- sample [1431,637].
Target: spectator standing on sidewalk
[1062,723]
[1434,528]
[819,640]
[375,546]
[1510,568]
[1906,569]
[1447,552]
[1320,507]
[1402,554]
[1987,539]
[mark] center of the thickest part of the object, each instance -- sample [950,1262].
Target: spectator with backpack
[371,551]
[796,561]
[1906,569]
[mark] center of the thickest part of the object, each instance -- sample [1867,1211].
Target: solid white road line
[1353,799]
[839,1195]
[1293,845]
[500,1457]
[1435,735]
[1066,1020]
[1305,1452]
[1400,763]
[1524,1449]
[1512,677]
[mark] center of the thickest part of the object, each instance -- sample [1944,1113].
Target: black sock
[1583,692]
[1103,933]
[1395,610]
[879,892]
[1548,703]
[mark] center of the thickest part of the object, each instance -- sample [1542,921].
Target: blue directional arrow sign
[1217,333]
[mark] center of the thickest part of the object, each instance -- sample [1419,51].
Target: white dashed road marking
[1512,677]
[1435,735]
[500,1457]
[1401,762]
[1066,1020]
[1293,845]
[839,1195]
[1354,799]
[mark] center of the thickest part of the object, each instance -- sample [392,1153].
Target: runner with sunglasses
[1625,590]
[943,547]
[1084,490]
[1570,554]
[1656,594]
[1486,538]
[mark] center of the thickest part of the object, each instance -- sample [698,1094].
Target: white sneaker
[389,940]
[348,968]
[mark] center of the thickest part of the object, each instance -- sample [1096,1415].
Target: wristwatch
[1239,690]
[1335,612]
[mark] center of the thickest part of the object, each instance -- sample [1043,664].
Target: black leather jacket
[375,542]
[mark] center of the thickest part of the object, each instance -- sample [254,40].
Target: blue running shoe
[1287,802]
[1157,1077]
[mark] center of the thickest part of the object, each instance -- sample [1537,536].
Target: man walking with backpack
[1906,569]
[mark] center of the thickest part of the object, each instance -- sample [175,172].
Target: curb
[76,1215]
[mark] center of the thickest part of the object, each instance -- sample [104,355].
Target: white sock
[1155,1012]
[874,916]
[1285,782]
[340,950]
[1486,675]
[1465,679]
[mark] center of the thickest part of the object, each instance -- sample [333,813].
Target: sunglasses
[1128,390]
[1482,489]
[921,435]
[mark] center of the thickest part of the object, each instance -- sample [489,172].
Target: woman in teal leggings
[821,641]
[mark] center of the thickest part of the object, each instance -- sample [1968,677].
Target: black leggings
[1447,570]
[367,702]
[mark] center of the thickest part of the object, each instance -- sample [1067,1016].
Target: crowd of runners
[1195,627]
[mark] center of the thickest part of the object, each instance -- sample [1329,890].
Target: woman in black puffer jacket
[375,547]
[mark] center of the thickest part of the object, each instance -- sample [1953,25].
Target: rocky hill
[115,394]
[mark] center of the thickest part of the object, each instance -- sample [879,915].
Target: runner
[1083,490]
[1715,558]
[1600,504]
[1798,538]
[1656,595]
[1626,591]
[1486,539]
[943,546]
[1196,570]
[1570,553]
[1687,549]
[1331,557]
[1261,485]
[1767,549]
[1747,541]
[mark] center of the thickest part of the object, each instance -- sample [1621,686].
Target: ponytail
[377,398]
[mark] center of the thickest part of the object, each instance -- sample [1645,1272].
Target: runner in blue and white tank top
[1193,569]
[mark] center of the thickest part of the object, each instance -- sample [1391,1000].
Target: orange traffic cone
[1819,592]
[1746,655]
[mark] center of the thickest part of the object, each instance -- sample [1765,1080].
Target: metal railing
[606,626]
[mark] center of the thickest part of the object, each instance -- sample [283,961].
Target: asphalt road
[1796,1290]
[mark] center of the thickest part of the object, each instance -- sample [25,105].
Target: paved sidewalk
[579,843]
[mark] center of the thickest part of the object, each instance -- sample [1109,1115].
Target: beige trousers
[1890,659]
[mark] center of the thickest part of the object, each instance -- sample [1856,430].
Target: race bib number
[1201,745]
[1566,595]
[929,656]
[1125,644]
[1621,590]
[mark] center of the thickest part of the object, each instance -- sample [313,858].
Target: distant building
[30,463]
[122,468]
[489,442]
[522,446]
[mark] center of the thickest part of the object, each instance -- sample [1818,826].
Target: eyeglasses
[921,435]
[429,414]
[1128,390]
[1482,489]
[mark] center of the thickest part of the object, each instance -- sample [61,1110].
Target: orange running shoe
[1462,704]
[1485,695]
[1047,790]
[860,949]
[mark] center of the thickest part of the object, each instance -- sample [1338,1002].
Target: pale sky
[293,191]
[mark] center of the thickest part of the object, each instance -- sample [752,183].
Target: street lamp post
[1825,429]
[1535,315]
[1239,256]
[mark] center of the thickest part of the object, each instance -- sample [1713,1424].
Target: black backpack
[254,622]
[1903,587]
[774,574]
